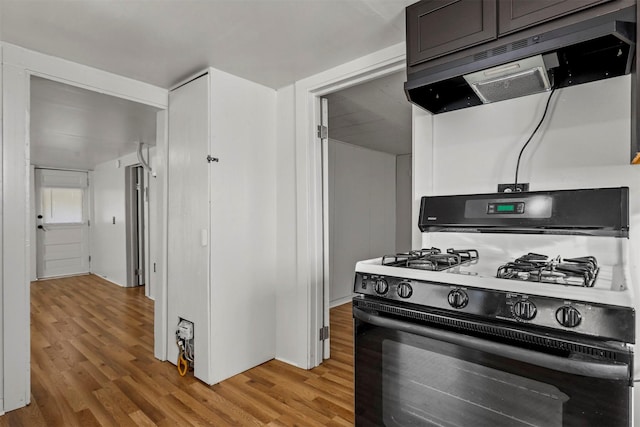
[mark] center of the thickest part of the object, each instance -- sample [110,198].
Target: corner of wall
[289,334]
[422,170]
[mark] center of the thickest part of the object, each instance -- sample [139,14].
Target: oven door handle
[607,371]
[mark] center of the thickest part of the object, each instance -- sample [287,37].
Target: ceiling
[271,42]
[375,115]
[74,128]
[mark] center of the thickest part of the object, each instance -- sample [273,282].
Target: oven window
[423,387]
[404,379]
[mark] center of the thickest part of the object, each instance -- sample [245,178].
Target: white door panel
[62,231]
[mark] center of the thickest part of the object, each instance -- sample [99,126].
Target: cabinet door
[518,14]
[438,27]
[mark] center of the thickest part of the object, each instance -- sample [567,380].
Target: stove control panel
[589,318]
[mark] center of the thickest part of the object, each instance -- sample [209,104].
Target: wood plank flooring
[92,364]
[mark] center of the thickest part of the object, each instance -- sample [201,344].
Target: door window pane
[62,205]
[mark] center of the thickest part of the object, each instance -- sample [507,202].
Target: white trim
[324,202]
[16,237]
[2,235]
[63,71]
[161,309]
[341,301]
[19,65]
[309,224]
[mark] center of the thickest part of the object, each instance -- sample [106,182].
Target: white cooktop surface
[611,286]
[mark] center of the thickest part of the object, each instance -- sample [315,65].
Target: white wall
[404,196]
[109,240]
[587,127]
[362,212]
[243,232]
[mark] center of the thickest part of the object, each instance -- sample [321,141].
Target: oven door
[409,372]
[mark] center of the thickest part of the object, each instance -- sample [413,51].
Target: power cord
[544,114]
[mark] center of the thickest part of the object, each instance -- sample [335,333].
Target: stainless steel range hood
[596,49]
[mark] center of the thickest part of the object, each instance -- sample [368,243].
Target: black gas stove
[550,332]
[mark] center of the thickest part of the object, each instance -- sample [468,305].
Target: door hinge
[89,258]
[323,132]
[88,223]
[210,159]
[324,333]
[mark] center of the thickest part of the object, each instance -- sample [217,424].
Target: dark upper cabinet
[439,27]
[515,15]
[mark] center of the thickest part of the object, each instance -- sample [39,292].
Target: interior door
[62,226]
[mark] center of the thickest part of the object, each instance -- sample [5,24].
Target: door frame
[18,65]
[311,223]
[135,226]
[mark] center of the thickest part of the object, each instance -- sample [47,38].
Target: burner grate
[431,258]
[435,262]
[534,267]
[402,259]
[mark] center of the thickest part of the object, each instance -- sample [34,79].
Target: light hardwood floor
[92,364]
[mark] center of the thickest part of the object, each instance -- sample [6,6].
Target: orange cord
[183,365]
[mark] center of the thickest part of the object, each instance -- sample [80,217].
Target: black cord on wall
[544,114]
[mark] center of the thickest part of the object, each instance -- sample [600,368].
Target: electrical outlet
[510,188]
[185,329]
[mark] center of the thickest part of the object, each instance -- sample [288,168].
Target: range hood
[591,50]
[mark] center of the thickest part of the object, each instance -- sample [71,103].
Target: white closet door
[188,218]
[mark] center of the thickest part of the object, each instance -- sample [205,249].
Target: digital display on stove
[505,208]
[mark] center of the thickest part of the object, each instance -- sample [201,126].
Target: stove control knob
[381,286]
[524,310]
[458,298]
[404,290]
[568,316]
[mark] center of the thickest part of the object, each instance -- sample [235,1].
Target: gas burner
[401,259]
[534,267]
[464,254]
[431,259]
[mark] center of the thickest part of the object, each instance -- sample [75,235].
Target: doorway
[368,178]
[136,225]
[309,225]
[19,66]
